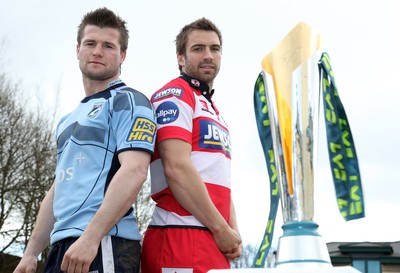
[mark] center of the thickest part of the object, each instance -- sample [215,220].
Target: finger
[80,268]
[71,268]
[64,264]
[232,256]
[85,268]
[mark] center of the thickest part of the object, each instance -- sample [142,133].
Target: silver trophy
[300,245]
[292,80]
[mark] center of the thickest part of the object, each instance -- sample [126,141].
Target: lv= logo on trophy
[294,77]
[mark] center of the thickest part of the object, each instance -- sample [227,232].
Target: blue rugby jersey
[88,142]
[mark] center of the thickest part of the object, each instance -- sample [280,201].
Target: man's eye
[109,46]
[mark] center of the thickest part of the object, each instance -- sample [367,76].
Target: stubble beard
[98,75]
[204,77]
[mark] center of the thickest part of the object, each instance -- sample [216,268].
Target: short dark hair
[199,24]
[104,17]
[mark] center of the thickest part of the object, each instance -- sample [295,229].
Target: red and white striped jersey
[185,111]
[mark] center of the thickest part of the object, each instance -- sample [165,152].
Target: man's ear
[123,56]
[181,59]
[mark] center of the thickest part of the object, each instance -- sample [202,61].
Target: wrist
[92,236]
[219,228]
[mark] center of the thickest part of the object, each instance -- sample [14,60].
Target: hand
[28,264]
[236,253]
[80,256]
[229,243]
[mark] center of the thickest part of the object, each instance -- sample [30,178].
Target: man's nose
[208,54]
[98,50]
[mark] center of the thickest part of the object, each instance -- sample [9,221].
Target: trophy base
[300,250]
[301,246]
[340,269]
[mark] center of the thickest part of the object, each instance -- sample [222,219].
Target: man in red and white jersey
[193,227]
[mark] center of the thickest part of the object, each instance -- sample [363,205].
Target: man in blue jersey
[104,150]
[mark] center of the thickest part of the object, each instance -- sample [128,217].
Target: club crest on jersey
[195,82]
[95,110]
[174,91]
[204,105]
[143,130]
[214,137]
[167,112]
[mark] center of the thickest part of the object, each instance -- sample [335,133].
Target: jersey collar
[198,85]
[105,93]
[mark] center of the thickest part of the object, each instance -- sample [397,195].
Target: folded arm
[190,191]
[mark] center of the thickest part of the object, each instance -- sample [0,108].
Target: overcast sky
[361,37]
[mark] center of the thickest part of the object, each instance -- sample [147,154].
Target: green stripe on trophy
[341,148]
[264,131]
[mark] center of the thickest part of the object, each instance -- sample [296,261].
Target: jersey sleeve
[133,121]
[174,106]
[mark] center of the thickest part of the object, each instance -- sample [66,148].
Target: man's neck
[92,87]
[200,84]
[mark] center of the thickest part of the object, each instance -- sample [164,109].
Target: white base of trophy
[300,250]
[340,269]
[302,247]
